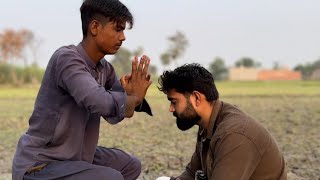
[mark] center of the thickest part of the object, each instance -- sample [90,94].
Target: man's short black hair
[111,10]
[188,78]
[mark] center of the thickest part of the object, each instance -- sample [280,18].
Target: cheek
[107,36]
[179,110]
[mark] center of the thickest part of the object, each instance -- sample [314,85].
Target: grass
[270,88]
[290,110]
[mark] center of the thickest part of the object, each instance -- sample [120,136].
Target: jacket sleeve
[191,168]
[74,77]
[116,87]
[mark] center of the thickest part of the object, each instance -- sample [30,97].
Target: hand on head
[138,82]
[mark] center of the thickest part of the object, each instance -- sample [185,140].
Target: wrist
[137,101]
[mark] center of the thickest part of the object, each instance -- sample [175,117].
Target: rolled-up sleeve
[74,77]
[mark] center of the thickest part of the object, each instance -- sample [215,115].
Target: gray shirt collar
[99,66]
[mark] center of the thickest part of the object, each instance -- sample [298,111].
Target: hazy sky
[286,31]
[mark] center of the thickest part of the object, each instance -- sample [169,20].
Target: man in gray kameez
[80,86]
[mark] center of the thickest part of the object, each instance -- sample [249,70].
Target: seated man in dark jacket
[231,144]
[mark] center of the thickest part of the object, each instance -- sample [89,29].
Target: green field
[290,110]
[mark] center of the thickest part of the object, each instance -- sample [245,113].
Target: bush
[10,74]
[5,71]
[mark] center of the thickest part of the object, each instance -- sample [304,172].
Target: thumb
[150,82]
[128,76]
[123,81]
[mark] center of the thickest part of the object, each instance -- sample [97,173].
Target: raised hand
[138,81]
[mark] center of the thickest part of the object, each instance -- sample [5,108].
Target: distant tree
[122,61]
[12,47]
[308,68]
[138,51]
[13,43]
[178,43]
[153,69]
[276,65]
[165,58]
[33,45]
[316,64]
[218,69]
[247,62]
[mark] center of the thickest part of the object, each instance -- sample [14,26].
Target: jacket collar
[213,118]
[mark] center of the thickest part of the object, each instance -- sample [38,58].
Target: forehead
[120,24]
[114,24]
[173,94]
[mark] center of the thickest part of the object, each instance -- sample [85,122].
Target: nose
[122,36]
[171,108]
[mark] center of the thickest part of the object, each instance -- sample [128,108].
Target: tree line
[220,70]
[178,44]
[15,44]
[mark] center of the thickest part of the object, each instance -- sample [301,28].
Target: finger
[146,66]
[134,65]
[123,81]
[141,64]
[149,83]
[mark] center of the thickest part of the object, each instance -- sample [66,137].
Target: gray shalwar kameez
[64,126]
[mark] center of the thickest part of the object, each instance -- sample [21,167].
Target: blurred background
[264,56]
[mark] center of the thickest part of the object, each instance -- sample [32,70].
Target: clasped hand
[138,82]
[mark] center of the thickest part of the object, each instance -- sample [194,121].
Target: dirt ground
[164,150]
[294,121]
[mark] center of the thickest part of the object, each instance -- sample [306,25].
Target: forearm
[132,102]
[136,86]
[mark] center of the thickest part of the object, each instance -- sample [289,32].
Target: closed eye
[119,29]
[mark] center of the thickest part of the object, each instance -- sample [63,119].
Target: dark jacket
[237,148]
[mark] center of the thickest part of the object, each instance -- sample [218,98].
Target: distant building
[279,74]
[315,74]
[243,74]
[253,74]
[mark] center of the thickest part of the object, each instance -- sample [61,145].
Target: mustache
[175,114]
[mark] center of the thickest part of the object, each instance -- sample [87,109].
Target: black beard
[185,124]
[187,119]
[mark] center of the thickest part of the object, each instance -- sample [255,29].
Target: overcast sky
[286,31]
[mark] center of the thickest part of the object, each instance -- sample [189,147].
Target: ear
[94,27]
[197,96]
